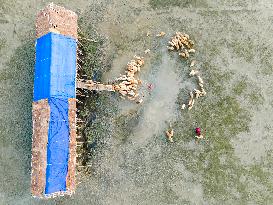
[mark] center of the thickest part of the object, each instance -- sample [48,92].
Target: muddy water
[136,165]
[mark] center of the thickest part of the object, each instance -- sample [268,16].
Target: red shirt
[198,131]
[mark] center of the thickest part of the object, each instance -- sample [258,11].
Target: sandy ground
[135,164]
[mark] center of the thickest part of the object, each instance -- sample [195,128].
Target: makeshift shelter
[54,103]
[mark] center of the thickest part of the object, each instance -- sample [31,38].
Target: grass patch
[216,79]
[266,60]
[97,108]
[125,124]
[250,91]
[3,43]
[256,98]
[223,118]
[91,66]
[261,175]
[181,3]
[240,87]
[244,48]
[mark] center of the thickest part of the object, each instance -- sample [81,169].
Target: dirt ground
[131,161]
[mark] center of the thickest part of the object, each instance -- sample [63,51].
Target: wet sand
[134,163]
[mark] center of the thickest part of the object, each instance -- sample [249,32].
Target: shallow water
[135,164]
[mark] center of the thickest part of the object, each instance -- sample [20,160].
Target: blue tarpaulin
[55,76]
[58,146]
[55,68]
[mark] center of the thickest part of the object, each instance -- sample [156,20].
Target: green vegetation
[89,54]
[96,110]
[18,79]
[2,43]
[125,125]
[224,118]
[249,91]
[181,3]
[256,98]
[240,87]
[266,59]
[244,48]
[247,48]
